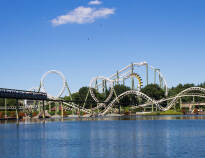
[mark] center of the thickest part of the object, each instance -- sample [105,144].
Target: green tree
[153,91]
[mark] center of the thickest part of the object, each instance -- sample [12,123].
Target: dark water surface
[129,137]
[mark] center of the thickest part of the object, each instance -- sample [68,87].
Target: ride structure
[135,76]
[103,84]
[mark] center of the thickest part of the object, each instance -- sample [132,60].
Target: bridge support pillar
[61,110]
[39,106]
[49,106]
[17,110]
[5,104]
[57,108]
[44,110]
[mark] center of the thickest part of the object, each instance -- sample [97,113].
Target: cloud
[95,2]
[82,15]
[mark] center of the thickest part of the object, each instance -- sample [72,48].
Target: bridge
[22,94]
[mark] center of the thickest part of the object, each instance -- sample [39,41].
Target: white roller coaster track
[123,73]
[157,103]
[91,87]
[137,93]
[77,107]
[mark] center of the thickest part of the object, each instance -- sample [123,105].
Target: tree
[153,91]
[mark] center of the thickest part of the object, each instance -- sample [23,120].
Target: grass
[169,112]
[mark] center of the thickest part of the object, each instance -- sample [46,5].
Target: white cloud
[95,2]
[82,15]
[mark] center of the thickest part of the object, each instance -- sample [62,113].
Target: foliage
[153,91]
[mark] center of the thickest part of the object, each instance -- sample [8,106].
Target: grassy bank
[169,112]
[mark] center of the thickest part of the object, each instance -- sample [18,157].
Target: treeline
[152,90]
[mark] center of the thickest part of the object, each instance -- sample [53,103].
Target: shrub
[21,114]
[12,114]
[34,114]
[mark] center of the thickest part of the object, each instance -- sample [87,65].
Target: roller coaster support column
[5,104]
[69,91]
[86,98]
[193,99]
[147,74]
[96,84]
[105,85]
[155,75]
[180,103]
[152,108]
[132,71]
[118,78]
[17,109]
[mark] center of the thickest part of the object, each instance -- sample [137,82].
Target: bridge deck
[21,94]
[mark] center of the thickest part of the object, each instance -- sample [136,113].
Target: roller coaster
[101,84]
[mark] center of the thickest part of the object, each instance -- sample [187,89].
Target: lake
[117,137]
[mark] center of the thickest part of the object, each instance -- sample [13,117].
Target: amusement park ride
[101,84]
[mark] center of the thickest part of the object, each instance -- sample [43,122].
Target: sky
[88,38]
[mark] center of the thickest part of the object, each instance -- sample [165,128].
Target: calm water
[146,137]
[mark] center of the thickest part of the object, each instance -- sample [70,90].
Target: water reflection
[161,117]
[125,137]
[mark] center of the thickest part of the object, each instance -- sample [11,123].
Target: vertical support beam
[132,78]
[69,91]
[160,81]
[57,108]
[44,115]
[155,71]
[17,109]
[152,108]
[49,106]
[5,104]
[72,111]
[96,84]
[39,106]
[103,86]
[180,103]
[86,98]
[118,78]
[133,83]
[147,74]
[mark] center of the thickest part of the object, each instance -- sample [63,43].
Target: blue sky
[167,34]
